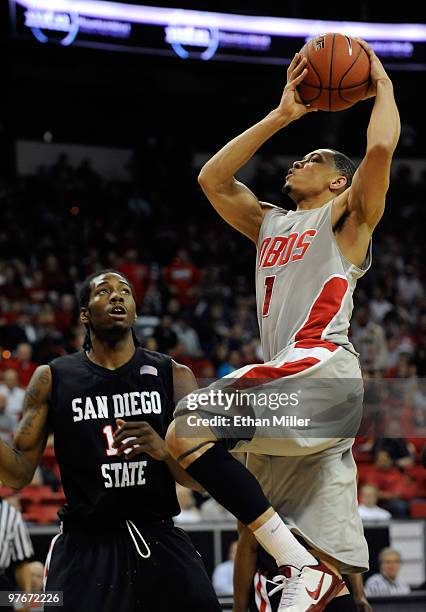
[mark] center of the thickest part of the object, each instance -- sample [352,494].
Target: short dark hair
[344,165]
[84,299]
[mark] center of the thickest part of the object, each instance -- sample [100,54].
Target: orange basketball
[338,72]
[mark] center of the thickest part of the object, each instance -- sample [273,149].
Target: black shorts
[101,569]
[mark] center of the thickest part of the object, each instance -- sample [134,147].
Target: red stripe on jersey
[324,309]
[286,369]
[259,590]
[315,343]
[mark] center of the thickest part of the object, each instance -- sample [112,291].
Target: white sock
[277,539]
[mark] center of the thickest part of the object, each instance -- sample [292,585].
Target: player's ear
[84,315]
[338,183]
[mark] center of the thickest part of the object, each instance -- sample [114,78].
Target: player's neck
[111,354]
[313,201]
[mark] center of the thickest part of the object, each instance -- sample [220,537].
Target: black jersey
[86,401]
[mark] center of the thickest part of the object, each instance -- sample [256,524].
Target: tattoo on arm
[35,399]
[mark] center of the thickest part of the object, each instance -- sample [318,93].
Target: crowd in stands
[194,284]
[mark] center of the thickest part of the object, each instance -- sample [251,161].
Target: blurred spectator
[409,287]
[66,314]
[136,272]
[223,574]
[138,206]
[183,278]
[379,306]
[400,451]
[37,572]
[7,423]
[386,582]
[23,363]
[394,488]
[368,508]
[189,511]
[187,337]
[14,394]
[232,363]
[165,336]
[369,340]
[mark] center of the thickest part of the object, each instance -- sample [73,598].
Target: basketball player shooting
[308,262]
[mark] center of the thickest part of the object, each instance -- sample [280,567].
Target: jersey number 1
[269,285]
[107,431]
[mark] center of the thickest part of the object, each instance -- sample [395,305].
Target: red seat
[38,513]
[418,508]
[33,494]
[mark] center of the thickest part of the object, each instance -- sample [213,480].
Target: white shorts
[285,415]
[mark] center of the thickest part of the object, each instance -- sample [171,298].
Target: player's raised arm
[371,181]
[235,202]
[18,462]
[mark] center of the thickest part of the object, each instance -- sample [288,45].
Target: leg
[235,488]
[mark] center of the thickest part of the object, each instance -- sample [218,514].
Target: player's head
[322,170]
[107,306]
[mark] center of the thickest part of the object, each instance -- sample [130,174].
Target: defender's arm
[184,382]
[235,202]
[19,461]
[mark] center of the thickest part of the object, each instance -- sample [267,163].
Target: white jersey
[304,285]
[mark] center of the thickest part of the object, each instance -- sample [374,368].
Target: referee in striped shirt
[386,582]
[16,550]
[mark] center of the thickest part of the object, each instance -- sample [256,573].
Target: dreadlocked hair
[84,298]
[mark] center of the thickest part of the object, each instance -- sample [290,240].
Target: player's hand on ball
[377,71]
[135,437]
[291,103]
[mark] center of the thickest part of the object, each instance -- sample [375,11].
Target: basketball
[338,72]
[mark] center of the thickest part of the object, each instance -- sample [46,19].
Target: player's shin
[235,488]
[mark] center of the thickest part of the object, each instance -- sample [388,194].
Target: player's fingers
[122,425]
[134,453]
[297,80]
[127,433]
[137,451]
[298,68]
[293,64]
[130,426]
[365,46]
[135,442]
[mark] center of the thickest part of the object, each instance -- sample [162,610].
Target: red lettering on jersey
[274,251]
[287,253]
[282,249]
[303,244]
[262,250]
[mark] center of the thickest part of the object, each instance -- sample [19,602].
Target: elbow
[206,181]
[202,177]
[21,478]
[17,483]
[24,479]
[382,150]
